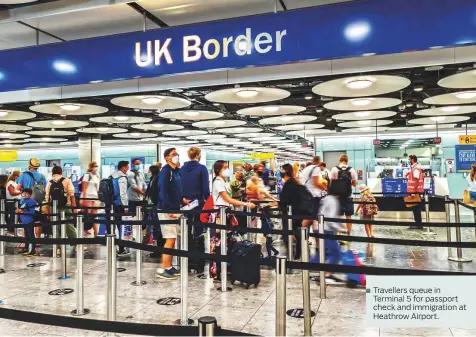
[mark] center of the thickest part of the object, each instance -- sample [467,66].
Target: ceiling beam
[41,31]
[139,9]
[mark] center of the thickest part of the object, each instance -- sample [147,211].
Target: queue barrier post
[306,286]
[138,236]
[248,222]
[223,251]
[54,229]
[80,310]
[459,251]
[206,271]
[64,275]
[427,215]
[448,222]
[184,320]
[112,227]
[322,258]
[280,320]
[111,276]
[290,229]
[207,326]
[17,217]
[3,223]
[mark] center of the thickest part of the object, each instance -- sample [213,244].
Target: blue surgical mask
[136,167]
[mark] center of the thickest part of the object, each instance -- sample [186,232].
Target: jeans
[332,249]
[117,209]
[417,215]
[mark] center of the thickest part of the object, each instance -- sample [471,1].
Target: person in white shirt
[471,178]
[89,191]
[12,194]
[343,178]
[311,178]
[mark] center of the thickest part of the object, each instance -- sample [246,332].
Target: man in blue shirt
[27,180]
[170,198]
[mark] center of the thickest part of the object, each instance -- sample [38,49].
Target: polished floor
[342,313]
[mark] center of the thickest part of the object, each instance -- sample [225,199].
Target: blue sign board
[316,33]
[394,187]
[465,157]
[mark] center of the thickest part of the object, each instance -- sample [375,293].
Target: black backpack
[305,199]
[153,189]
[57,192]
[342,186]
[106,191]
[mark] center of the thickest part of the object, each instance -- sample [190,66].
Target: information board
[465,157]
[394,187]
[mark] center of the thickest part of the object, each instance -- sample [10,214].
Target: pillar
[89,150]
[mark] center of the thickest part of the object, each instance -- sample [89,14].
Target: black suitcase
[245,263]
[197,265]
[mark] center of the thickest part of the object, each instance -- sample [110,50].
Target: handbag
[466,197]
[412,200]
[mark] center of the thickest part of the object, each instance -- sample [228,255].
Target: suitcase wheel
[256,285]
[247,286]
[232,282]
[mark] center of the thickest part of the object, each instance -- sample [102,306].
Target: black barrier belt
[46,241]
[466,206]
[400,223]
[38,224]
[133,222]
[368,270]
[400,242]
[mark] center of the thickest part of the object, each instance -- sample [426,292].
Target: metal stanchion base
[64,277]
[203,277]
[76,313]
[429,233]
[141,283]
[292,271]
[227,289]
[456,259]
[179,322]
[2,271]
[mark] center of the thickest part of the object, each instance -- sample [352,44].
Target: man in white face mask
[170,198]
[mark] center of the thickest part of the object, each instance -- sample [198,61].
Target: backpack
[369,209]
[38,189]
[305,199]
[57,192]
[342,186]
[106,191]
[153,190]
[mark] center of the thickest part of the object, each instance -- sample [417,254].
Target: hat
[363,188]
[34,162]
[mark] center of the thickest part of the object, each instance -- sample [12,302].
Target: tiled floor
[342,313]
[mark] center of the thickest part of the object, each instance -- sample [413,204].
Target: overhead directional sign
[467,140]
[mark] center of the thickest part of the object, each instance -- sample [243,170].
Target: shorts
[347,206]
[472,196]
[169,231]
[366,217]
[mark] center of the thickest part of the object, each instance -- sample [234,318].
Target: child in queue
[27,210]
[367,211]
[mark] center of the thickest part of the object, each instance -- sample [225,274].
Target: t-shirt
[9,196]
[335,172]
[28,207]
[330,208]
[219,185]
[471,183]
[307,178]
[93,185]
[27,181]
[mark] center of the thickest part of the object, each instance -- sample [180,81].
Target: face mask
[95,169]
[226,173]
[283,174]
[137,167]
[176,159]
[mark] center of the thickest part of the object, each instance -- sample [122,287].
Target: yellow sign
[8,155]
[467,139]
[263,155]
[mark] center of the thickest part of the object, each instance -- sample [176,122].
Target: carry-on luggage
[354,258]
[245,263]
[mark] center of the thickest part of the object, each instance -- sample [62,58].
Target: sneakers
[176,271]
[168,274]
[125,252]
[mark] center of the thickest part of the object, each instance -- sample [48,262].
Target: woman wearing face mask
[221,190]
[293,195]
[12,195]
[89,191]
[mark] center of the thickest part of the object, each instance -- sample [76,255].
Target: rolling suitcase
[354,258]
[245,263]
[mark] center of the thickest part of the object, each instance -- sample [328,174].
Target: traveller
[296,171]
[195,186]
[367,211]
[330,208]
[61,189]
[256,191]
[238,186]
[299,198]
[170,198]
[195,180]
[248,171]
[136,187]
[325,172]
[343,178]
[311,178]
[12,195]
[120,201]
[302,166]
[415,188]
[89,192]
[471,178]
[36,182]
[159,166]
[264,173]
[152,191]
[27,210]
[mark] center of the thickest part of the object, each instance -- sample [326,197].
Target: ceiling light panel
[57,124]
[192,115]
[447,110]
[271,110]
[219,123]
[121,119]
[157,126]
[247,95]
[147,102]
[69,109]
[359,115]
[365,103]
[287,119]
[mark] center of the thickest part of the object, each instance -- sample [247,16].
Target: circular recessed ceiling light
[364,122]
[286,118]
[438,119]
[58,122]
[3,113]
[158,125]
[102,129]
[363,113]
[151,100]
[191,113]
[361,102]
[450,108]
[359,84]
[465,94]
[460,80]
[357,31]
[247,93]
[121,118]
[219,122]
[270,108]
[70,107]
